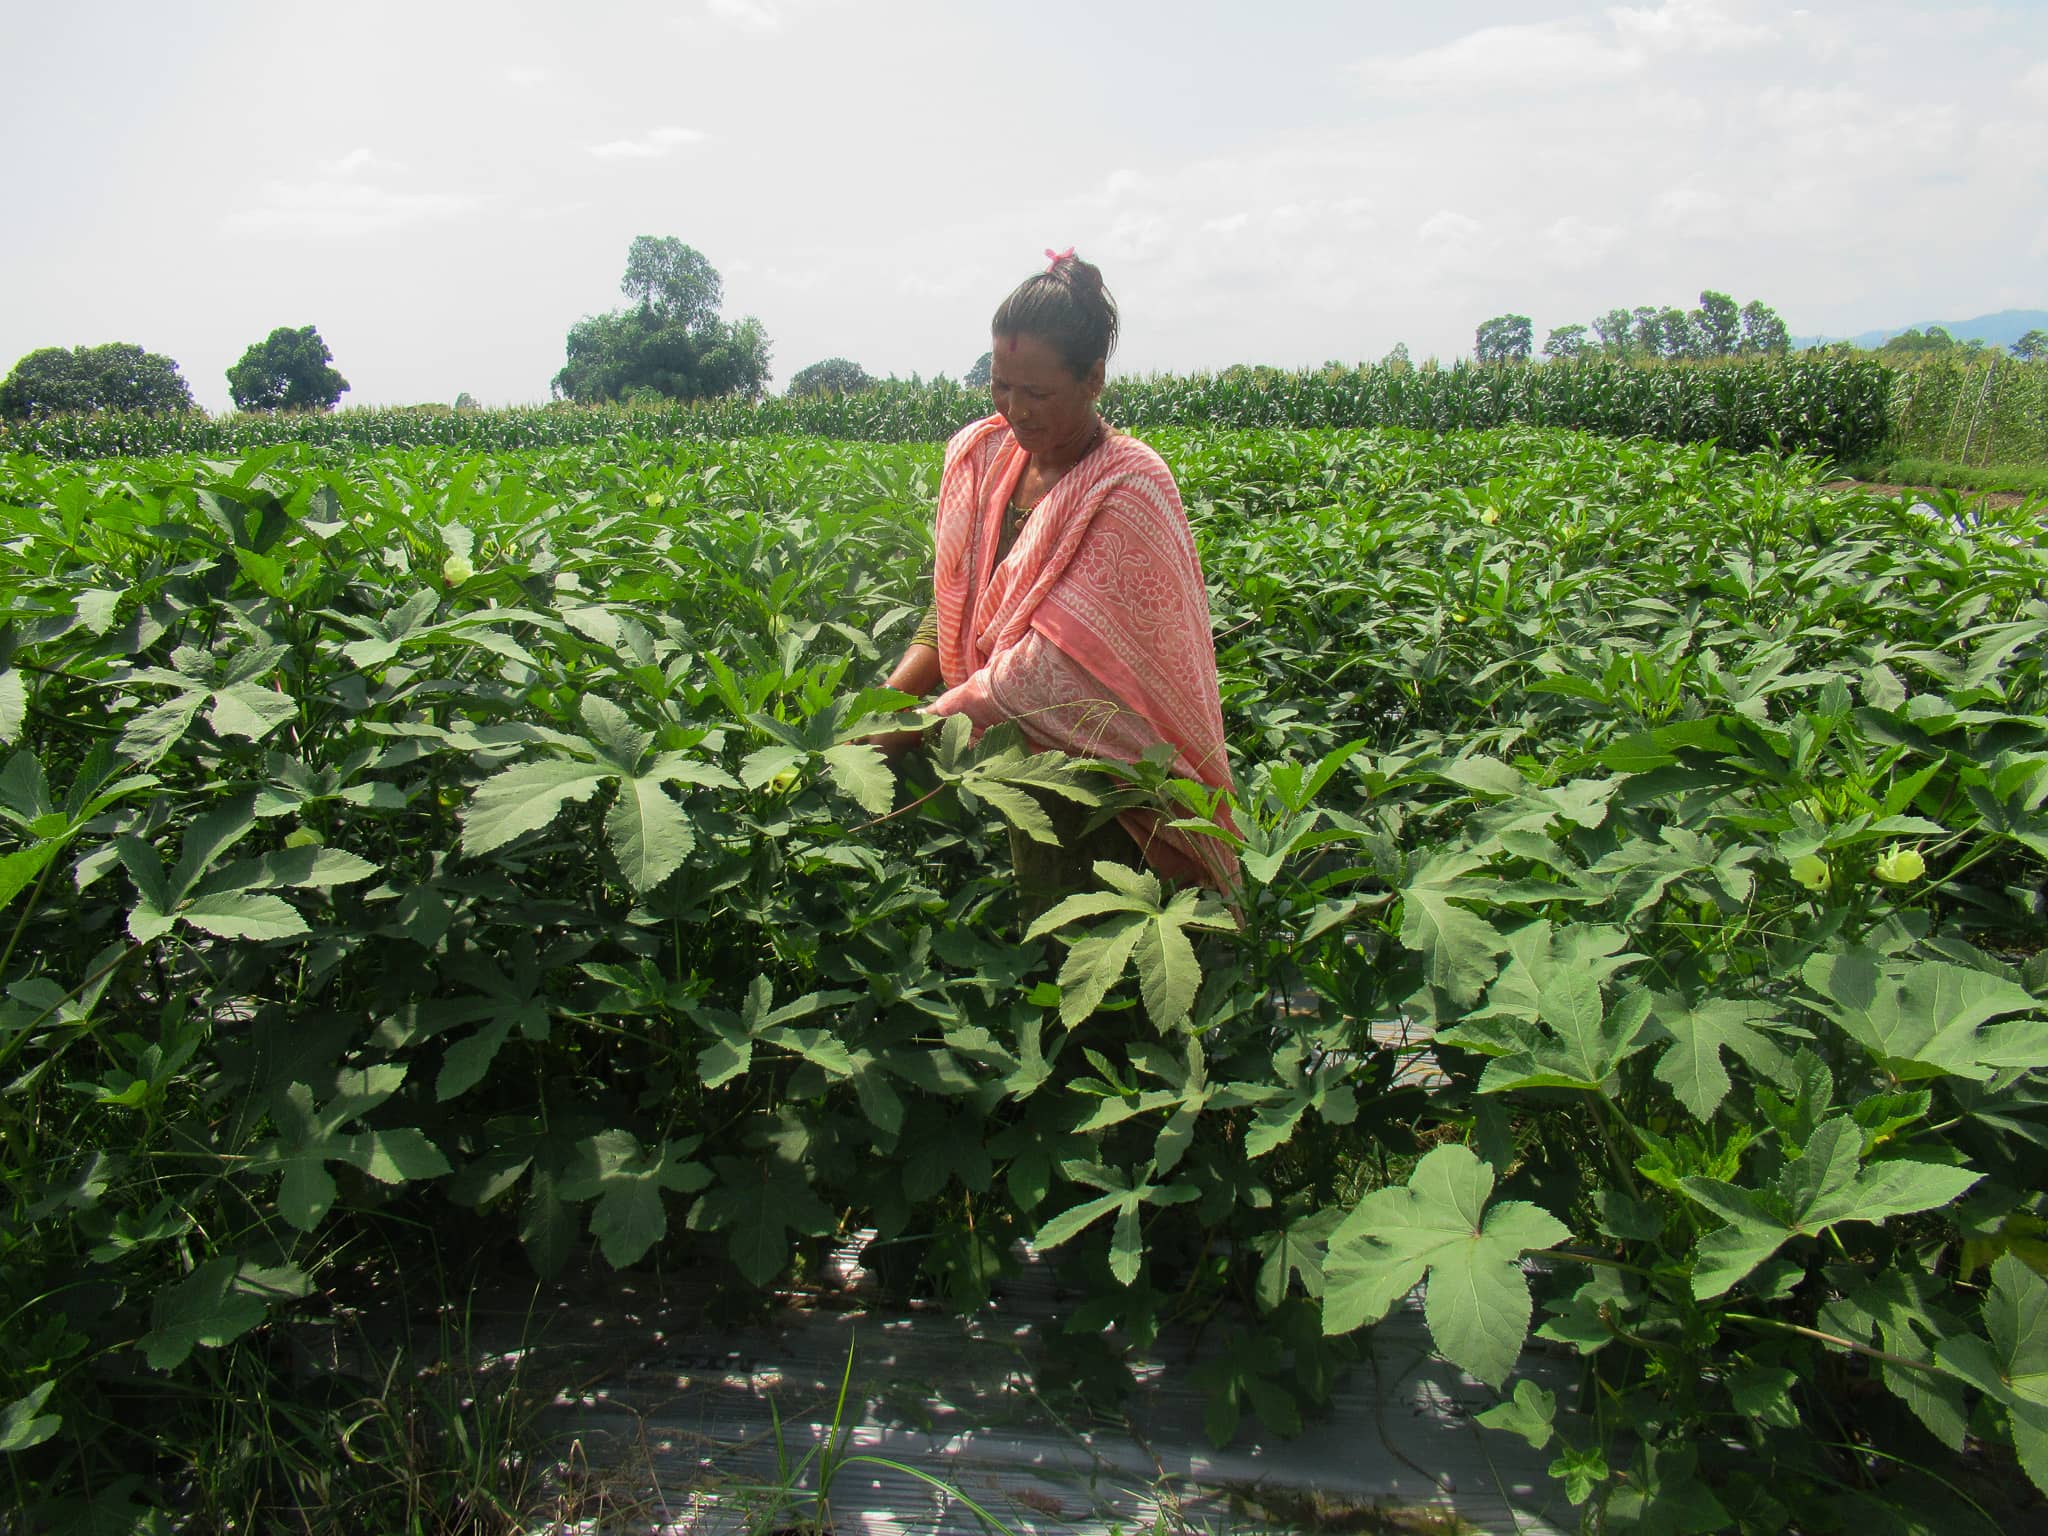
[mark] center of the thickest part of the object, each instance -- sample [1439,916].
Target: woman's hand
[917,674]
[893,744]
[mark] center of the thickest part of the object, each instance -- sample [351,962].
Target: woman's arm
[917,673]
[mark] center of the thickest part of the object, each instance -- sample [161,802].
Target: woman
[1068,594]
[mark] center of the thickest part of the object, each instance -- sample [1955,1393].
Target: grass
[2013,479]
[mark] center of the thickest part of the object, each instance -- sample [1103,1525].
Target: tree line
[669,343]
[1935,341]
[290,369]
[1719,327]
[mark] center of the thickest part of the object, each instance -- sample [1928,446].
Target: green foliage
[2032,347]
[835,375]
[672,346]
[1438,1224]
[1955,411]
[673,280]
[1566,342]
[1932,342]
[115,377]
[484,845]
[287,370]
[1837,405]
[1504,338]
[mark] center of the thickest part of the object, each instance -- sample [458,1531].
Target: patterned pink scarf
[1093,632]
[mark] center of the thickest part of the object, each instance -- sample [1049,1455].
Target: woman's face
[1047,408]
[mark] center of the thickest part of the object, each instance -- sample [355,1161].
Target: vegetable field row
[480,845]
[1832,405]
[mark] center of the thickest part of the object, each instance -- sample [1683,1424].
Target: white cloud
[1226,224]
[1576,244]
[355,160]
[1446,227]
[1551,54]
[1690,211]
[952,285]
[754,15]
[330,208]
[1567,54]
[1700,26]
[1840,131]
[1137,236]
[527,75]
[652,145]
[2034,82]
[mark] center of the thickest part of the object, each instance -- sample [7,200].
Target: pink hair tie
[1054,258]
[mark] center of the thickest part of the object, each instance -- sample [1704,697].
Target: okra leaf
[1438,1225]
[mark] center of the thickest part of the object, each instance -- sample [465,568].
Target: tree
[466,402]
[1677,336]
[2032,347]
[1616,330]
[1567,341]
[834,376]
[673,346]
[1649,330]
[1397,357]
[1763,333]
[118,376]
[977,376]
[1505,338]
[674,280]
[1716,325]
[286,370]
[1914,343]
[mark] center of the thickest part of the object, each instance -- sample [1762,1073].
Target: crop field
[1840,406]
[420,852]
[1993,412]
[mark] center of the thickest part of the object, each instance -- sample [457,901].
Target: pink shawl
[1093,632]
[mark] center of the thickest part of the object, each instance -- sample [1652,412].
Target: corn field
[1832,406]
[1993,412]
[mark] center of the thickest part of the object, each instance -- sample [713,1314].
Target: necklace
[1094,441]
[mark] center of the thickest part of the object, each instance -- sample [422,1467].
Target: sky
[444,188]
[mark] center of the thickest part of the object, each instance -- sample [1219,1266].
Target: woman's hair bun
[1067,305]
[1083,275]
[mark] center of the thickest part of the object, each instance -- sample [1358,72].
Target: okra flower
[1898,865]
[456,569]
[1811,871]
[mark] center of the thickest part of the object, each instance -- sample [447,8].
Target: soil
[1997,499]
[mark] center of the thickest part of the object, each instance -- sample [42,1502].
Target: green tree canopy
[1648,330]
[833,376]
[1916,343]
[673,345]
[2032,347]
[117,376]
[1716,325]
[673,280]
[1566,341]
[1505,338]
[1616,330]
[287,370]
[1677,336]
[1763,333]
[977,376]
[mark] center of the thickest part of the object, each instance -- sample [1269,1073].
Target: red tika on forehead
[1010,344]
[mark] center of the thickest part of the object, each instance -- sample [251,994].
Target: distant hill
[1999,330]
